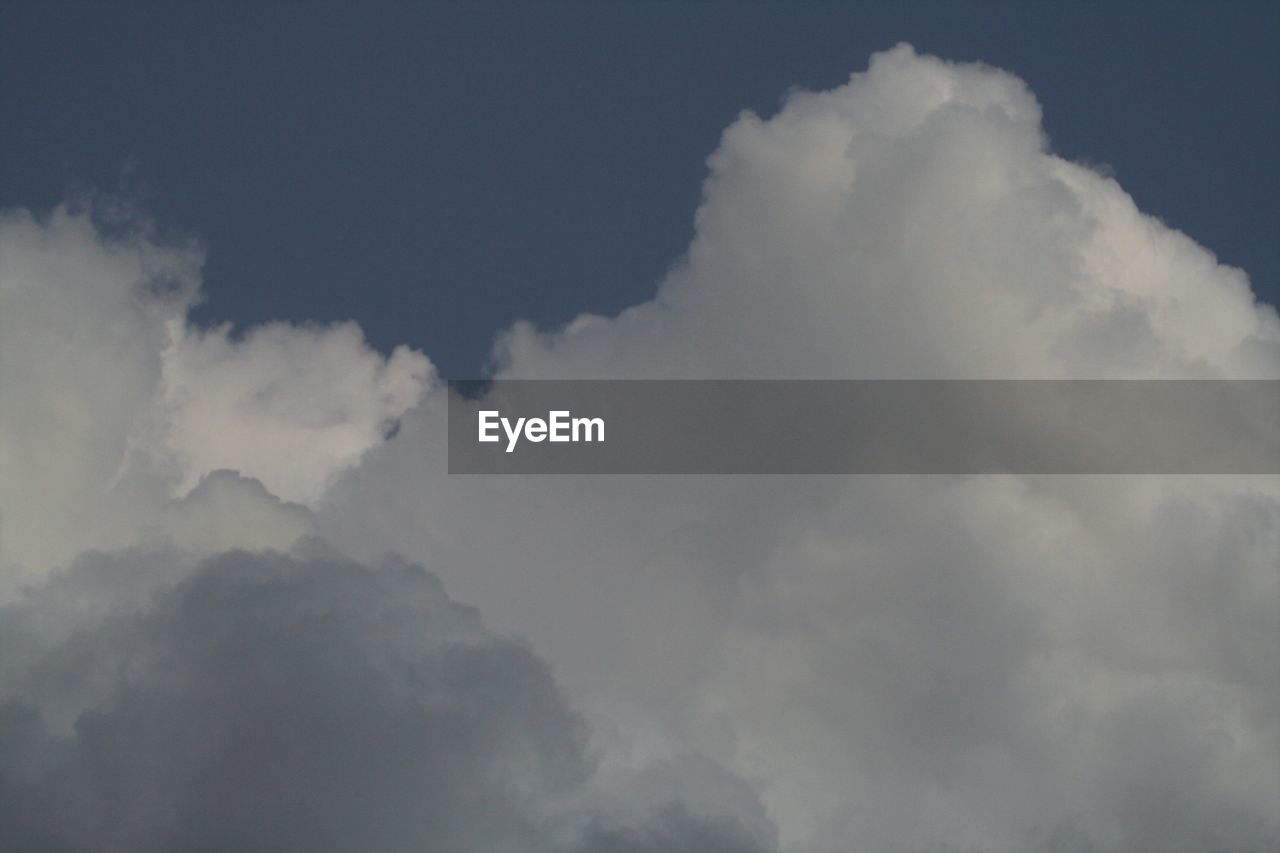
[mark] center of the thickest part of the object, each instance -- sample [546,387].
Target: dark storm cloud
[271,702]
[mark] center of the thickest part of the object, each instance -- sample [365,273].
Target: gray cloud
[672,830]
[272,702]
[994,664]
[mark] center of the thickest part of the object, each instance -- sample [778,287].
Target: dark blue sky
[438,170]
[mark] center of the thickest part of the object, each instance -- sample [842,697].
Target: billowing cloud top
[912,224]
[110,402]
[825,664]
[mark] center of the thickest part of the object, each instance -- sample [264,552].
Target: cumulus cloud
[81,339]
[273,702]
[111,403]
[164,692]
[913,224]
[292,405]
[902,664]
[909,664]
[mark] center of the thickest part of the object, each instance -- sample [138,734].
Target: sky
[437,171]
[244,605]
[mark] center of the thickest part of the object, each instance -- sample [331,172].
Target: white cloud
[291,406]
[111,404]
[82,322]
[892,663]
[911,224]
[901,664]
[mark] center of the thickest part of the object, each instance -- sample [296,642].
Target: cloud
[672,829]
[293,405]
[886,663]
[81,339]
[111,403]
[913,224]
[165,692]
[272,702]
[901,664]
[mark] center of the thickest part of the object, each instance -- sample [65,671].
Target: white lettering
[588,424]
[488,423]
[559,427]
[513,435]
